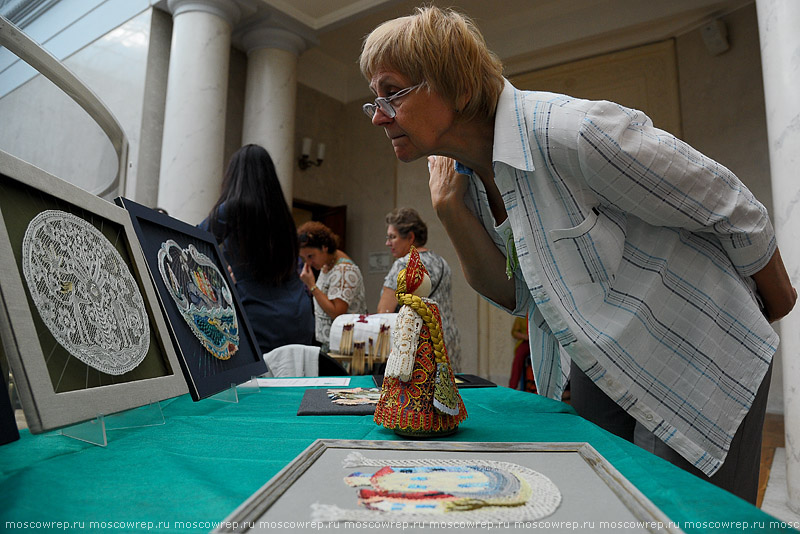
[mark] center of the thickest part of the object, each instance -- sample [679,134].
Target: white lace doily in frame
[85,293]
[459,490]
[202,296]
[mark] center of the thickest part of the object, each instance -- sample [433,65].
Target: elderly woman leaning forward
[647,269]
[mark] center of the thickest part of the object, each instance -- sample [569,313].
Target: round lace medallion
[443,489]
[84,292]
[203,297]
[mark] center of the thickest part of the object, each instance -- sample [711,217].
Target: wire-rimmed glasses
[384,102]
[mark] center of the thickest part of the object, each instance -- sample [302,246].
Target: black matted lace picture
[210,331]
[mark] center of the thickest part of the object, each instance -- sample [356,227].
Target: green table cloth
[209,456]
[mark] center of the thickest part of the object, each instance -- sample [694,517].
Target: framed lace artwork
[428,486]
[211,334]
[79,316]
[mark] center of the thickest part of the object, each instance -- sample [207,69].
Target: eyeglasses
[383,102]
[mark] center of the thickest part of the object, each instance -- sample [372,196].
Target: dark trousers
[739,473]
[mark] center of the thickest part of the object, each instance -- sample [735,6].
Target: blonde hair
[445,50]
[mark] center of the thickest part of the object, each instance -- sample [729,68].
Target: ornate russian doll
[419,397]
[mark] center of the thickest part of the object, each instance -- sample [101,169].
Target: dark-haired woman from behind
[259,240]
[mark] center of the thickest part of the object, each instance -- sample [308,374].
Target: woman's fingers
[445,183]
[307,275]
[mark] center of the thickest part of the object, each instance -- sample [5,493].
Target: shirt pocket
[590,252]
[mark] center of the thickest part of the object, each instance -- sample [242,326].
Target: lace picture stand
[232,393]
[95,431]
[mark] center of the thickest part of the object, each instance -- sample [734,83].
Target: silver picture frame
[595,495]
[25,191]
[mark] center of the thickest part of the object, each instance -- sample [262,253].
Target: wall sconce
[305,160]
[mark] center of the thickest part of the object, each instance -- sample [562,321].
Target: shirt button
[649,417]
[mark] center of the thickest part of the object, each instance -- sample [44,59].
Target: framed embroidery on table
[420,486]
[79,317]
[211,333]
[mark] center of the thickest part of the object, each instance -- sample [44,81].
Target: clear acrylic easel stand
[232,393]
[95,430]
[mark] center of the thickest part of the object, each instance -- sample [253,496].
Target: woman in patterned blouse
[340,286]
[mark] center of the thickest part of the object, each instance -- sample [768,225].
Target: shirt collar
[511,144]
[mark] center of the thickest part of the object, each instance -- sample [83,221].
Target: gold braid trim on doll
[418,305]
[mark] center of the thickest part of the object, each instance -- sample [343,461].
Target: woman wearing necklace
[340,286]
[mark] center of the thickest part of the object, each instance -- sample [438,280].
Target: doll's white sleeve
[405,339]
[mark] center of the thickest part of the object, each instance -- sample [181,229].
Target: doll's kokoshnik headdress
[410,278]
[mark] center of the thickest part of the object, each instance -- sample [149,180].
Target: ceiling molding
[334,14]
[620,39]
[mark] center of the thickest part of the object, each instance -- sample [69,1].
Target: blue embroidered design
[202,295]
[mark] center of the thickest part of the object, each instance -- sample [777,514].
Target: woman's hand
[388,301]
[483,264]
[446,185]
[307,276]
[775,288]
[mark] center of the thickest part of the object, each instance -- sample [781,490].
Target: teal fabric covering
[210,456]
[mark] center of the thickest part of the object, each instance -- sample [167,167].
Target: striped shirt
[632,254]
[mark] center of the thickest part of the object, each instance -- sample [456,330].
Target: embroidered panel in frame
[460,490]
[84,292]
[354,396]
[202,296]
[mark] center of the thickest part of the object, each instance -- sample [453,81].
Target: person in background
[340,286]
[406,228]
[522,352]
[649,266]
[258,238]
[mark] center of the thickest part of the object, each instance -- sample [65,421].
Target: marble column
[271,95]
[192,152]
[778,22]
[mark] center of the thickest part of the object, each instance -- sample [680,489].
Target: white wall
[723,113]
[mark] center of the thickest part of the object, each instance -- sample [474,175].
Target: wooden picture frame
[205,375]
[57,389]
[592,490]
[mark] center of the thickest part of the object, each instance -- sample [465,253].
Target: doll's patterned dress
[408,406]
